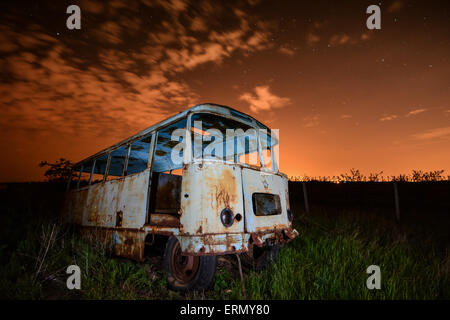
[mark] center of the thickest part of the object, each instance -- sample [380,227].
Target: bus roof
[204,107]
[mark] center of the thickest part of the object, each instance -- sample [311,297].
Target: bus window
[75,177]
[169,149]
[224,139]
[85,176]
[267,157]
[247,148]
[269,143]
[118,157]
[99,169]
[138,158]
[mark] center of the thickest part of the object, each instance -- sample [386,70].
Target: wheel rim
[184,268]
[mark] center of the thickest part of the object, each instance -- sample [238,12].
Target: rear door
[264,200]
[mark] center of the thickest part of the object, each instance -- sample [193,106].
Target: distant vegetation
[60,171]
[57,172]
[356,176]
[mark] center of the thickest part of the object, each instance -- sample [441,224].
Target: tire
[188,273]
[260,258]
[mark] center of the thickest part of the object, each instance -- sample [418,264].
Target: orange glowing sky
[341,95]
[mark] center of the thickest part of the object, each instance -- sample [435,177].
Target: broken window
[116,166]
[138,158]
[170,147]
[266,204]
[216,137]
[99,169]
[85,176]
[75,177]
[269,143]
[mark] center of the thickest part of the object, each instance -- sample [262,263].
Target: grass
[327,261]
[331,264]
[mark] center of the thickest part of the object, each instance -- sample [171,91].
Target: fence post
[305,197]
[397,202]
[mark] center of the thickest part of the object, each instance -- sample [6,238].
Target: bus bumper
[229,243]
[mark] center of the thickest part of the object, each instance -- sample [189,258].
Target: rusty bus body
[208,207]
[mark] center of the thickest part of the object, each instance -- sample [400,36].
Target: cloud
[388,117]
[286,51]
[433,134]
[264,100]
[54,95]
[198,24]
[346,116]
[365,36]
[339,39]
[311,121]
[312,39]
[95,7]
[109,32]
[396,6]
[109,89]
[416,112]
[345,39]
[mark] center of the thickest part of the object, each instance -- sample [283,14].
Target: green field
[327,261]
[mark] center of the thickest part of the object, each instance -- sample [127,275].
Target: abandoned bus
[202,183]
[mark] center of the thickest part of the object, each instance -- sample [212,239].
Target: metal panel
[99,211]
[258,181]
[104,200]
[214,244]
[129,243]
[132,199]
[207,188]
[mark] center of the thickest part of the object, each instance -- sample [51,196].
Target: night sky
[341,95]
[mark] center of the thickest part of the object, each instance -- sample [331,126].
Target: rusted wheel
[188,273]
[260,258]
[184,268]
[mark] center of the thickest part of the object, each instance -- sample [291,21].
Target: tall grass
[327,261]
[330,262]
[37,269]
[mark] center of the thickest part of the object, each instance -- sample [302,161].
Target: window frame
[106,168]
[187,147]
[152,135]
[254,124]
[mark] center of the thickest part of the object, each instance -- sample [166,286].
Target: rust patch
[129,244]
[276,235]
[165,231]
[165,220]
[225,192]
